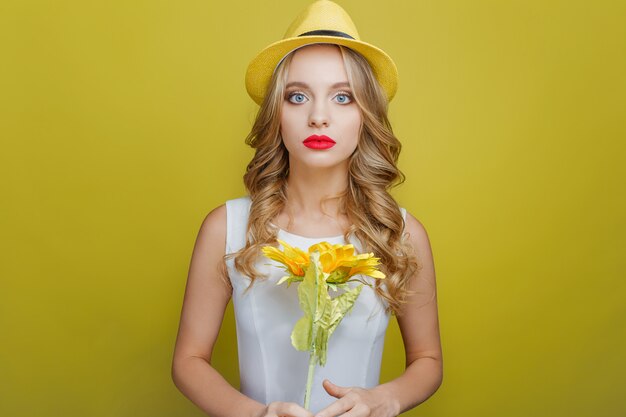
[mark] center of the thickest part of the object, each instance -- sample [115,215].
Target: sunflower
[339,262]
[294,259]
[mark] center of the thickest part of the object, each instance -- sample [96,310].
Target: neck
[307,187]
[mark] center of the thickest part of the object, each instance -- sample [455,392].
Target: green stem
[312,349]
[309,379]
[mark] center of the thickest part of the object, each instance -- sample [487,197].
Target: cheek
[355,125]
[288,130]
[354,116]
[288,119]
[285,126]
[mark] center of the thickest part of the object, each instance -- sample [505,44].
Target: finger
[334,390]
[359,410]
[335,409]
[292,410]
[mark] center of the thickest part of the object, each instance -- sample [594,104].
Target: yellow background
[122,125]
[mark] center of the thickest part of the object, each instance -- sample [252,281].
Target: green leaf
[302,337]
[290,279]
[322,333]
[321,343]
[341,305]
[283,279]
[323,298]
[339,275]
[307,293]
[301,334]
[322,314]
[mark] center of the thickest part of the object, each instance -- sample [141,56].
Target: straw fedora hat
[323,21]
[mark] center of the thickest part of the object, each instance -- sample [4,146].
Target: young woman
[325,159]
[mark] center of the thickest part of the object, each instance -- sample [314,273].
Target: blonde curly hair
[375,217]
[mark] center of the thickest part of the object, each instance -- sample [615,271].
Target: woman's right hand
[284,409]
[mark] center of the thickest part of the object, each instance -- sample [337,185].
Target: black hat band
[324,32]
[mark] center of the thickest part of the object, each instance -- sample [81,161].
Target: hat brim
[261,68]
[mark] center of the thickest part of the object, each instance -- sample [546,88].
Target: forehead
[317,63]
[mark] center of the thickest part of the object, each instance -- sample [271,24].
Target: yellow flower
[333,257]
[367,266]
[294,259]
[339,262]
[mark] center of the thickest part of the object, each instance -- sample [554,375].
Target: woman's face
[318,101]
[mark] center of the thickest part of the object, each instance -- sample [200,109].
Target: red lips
[319,142]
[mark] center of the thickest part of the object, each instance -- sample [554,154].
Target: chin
[321,163]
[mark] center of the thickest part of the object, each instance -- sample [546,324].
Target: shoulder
[225,219]
[417,235]
[216,219]
[212,232]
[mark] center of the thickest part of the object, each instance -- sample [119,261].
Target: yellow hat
[323,21]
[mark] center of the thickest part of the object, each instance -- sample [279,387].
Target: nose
[319,115]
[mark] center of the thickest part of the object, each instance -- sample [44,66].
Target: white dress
[270,368]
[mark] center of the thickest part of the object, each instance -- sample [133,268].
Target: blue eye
[347,98]
[297,97]
[300,98]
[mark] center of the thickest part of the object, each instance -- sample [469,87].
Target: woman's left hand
[356,402]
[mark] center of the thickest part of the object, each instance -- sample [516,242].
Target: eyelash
[340,93]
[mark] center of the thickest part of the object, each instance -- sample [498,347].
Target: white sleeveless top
[270,368]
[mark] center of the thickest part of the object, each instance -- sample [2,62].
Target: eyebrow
[305,85]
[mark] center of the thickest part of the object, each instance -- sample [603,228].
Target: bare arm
[206,297]
[419,325]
